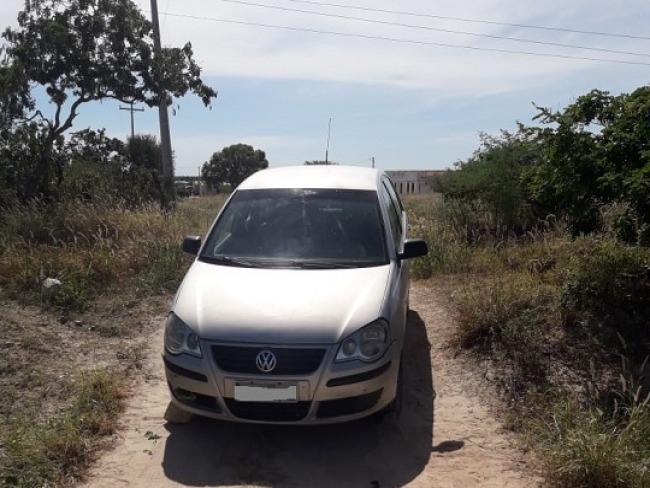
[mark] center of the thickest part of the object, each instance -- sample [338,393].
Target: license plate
[271,392]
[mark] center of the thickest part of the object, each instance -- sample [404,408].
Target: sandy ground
[449,438]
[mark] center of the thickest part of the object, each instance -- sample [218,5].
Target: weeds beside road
[560,324]
[65,359]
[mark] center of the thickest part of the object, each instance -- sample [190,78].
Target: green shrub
[607,290]
[491,181]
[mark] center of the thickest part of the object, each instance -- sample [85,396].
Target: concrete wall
[412,182]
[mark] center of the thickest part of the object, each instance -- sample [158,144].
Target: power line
[165,19]
[475,21]
[406,41]
[436,29]
[131,109]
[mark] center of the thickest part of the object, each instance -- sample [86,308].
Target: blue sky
[410,105]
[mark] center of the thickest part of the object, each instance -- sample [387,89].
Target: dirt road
[447,439]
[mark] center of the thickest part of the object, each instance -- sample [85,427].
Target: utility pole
[131,109]
[327,148]
[373,161]
[165,138]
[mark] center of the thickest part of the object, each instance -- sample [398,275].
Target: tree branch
[59,106]
[72,115]
[121,99]
[38,113]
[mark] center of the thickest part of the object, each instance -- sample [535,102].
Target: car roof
[315,176]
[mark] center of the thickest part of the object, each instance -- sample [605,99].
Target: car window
[394,215]
[290,227]
[394,195]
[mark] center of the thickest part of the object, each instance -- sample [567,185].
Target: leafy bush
[594,153]
[490,182]
[607,290]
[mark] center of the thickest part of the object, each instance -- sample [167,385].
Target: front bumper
[325,392]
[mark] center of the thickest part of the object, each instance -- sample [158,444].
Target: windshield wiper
[231,261]
[284,263]
[323,265]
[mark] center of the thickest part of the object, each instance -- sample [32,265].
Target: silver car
[294,310]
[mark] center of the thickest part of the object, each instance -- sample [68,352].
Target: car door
[399,277]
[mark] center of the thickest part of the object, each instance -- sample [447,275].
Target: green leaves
[492,177]
[594,153]
[81,51]
[232,165]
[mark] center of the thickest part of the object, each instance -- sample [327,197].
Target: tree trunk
[38,184]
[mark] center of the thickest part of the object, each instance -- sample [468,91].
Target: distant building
[190,186]
[412,182]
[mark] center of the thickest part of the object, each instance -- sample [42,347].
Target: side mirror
[414,248]
[192,244]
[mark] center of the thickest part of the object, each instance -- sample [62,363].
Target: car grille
[290,361]
[268,411]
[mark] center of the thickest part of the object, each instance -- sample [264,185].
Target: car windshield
[302,228]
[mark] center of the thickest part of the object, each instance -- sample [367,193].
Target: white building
[412,182]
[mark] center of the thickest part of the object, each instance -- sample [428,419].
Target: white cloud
[421,104]
[258,52]
[237,50]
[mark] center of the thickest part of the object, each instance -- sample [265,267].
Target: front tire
[175,415]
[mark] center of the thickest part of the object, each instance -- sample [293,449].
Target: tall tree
[145,156]
[595,152]
[101,168]
[95,169]
[232,165]
[14,91]
[80,51]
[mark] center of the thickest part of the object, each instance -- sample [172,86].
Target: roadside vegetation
[560,325]
[541,242]
[67,356]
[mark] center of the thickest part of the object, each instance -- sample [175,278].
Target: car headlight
[179,338]
[367,344]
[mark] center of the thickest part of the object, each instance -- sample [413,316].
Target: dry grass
[597,449]
[544,306]
[555,315]
[65,361]
[92,249]
[44,450]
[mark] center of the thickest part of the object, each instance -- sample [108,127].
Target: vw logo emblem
[266,361]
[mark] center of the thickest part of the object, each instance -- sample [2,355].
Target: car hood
[279,306]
